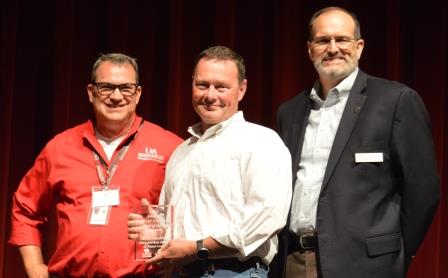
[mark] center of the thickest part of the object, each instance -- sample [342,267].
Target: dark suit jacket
[371,217]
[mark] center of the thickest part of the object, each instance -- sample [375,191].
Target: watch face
[202,253]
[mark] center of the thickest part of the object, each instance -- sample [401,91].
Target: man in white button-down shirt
[229,182]
[365,175]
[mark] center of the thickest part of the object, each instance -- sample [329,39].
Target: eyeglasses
[341,42]
[107,89]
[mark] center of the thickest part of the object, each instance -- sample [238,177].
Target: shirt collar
[196,130]
[335,94]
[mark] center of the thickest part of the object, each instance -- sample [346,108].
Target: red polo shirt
[64,173]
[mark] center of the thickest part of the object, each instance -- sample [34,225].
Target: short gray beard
[335,74]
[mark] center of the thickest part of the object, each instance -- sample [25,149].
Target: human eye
[221,88]
[343,39]
[127,88]
[322,40]
[105,87]
[201,85]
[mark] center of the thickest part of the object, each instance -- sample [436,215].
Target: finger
[135,228]
[133,236]
[163,247]
[155,260]
[135,232]
[148,208]
[145,203]
[136,223]
[134,216]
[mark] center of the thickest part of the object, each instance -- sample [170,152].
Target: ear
[359,47]
[90,92]
[242,90]
[308,45]
[138,93]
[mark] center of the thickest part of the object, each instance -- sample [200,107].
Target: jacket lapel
[351,113]
[300,120]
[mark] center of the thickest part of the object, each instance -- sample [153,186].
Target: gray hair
[115,58]
[327,9]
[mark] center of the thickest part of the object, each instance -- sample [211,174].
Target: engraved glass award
[157,230]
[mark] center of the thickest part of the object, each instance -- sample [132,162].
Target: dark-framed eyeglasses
[341,42]
[107,89]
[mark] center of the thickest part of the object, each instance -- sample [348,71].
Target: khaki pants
[301,265]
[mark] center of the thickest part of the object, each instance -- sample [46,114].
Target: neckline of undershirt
[109,146]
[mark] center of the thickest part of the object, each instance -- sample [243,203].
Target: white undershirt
[109,146]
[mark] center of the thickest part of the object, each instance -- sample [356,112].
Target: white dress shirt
[233,183]
[320,131]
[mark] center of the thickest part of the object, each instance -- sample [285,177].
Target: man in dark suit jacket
[365,180]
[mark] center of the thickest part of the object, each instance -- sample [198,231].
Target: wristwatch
[202,252]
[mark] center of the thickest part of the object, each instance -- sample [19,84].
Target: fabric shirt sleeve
[413,152]
[31,203]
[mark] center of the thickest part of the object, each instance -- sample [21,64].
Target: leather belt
[199,268]
[302,243]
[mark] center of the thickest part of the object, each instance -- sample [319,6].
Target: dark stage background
[48,47]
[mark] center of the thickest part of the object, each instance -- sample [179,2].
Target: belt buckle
[301,242]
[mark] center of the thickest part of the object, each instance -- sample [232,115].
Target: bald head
[344,14]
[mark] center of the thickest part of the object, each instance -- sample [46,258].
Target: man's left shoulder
[259,133]
[386,85]
[251,127]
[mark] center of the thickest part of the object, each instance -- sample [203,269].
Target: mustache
[330,57]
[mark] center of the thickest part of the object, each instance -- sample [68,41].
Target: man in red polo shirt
[95,174]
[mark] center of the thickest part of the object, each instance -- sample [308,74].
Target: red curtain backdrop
[47,49]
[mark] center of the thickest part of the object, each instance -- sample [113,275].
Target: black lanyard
[101,164]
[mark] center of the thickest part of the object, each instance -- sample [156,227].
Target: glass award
[158,222]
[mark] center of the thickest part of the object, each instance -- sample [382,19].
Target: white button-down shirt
[322,125]
[233,183]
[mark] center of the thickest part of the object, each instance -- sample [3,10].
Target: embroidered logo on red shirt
[150,154]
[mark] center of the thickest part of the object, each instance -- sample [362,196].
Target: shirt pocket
[220,177]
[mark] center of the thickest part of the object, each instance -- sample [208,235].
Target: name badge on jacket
[368,157]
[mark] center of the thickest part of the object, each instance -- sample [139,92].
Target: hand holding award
[151,226]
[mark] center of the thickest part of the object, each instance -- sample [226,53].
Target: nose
[332,47]
[116,95]
[211,95]
[212,92]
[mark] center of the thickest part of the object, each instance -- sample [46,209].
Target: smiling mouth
[209,108]
[333,59]
[114,106]
[333,62]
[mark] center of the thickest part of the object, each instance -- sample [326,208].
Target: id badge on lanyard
[102,201]
[106,195]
